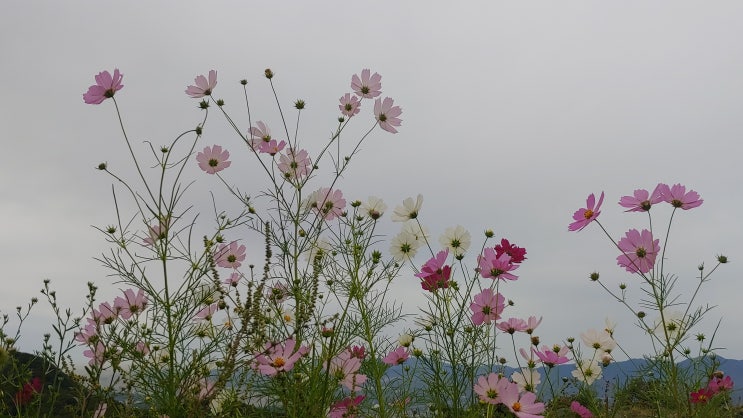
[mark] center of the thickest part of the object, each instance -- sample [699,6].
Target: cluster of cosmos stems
[639,250]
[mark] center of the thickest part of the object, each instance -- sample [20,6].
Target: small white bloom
[587,373]
[598,340]
[405,340]
[420,232]
[374,207]
[408,210]
[527,379]
[457,239]
[404,246]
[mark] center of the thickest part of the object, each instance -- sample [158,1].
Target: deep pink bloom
[550,357]
[203,86]
[131,304]
[214,159]
[350,105]
[496,267]
[513,325]
[358,351]
[642,200]
[640,251]
[367,86]
[28,390]
[717,384]
[279,358]
[104,88]
[328,202]
[345,368]
[295,164]
[487,307]
[679,198]
[397,356]
[703,395]
[230,255]
[581,410]
[435,274]
[517,253]
[488,388]
[387,114]
[271,147]
[346,408]
[523,405]
[585,216]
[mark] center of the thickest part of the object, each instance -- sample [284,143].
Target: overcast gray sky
[513,112]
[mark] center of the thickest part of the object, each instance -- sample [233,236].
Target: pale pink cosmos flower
[581,410]
[96,354]
[639,250]
[278,358]
[88,334]
[488,388]
[679,198]
[642,200]
[213,159]
[203,86]
[106,313]
[104,88]
[532,323]
[367,86]
[142,348]
[328,202]
[718,384]
[271,147]
[523,405]
[206,387]
[512,325]
[233,279]
[346,408]
[100,412]
[206,313]
[295,165]
[259,133]
[551,357]
[487,307]
[155,233]
[350,105]
[131,304]
[387,114]
[397,356]
[585,216]
[345,368]
[495,267]
[230,255]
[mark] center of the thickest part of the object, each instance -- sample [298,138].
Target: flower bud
[268,73]
[102,166]
[299,104]
[244,82]
[594,276]
[489,233]
[722,259]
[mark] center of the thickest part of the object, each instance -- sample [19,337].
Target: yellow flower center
[588,214]
[278,362]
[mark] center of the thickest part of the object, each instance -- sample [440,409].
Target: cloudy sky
[513,112]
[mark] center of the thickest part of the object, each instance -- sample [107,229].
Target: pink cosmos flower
[532,323]
[142,348]
[358,351]
[346,408]
[155,233]
[104,88]
[639,250]
[550,357]
[488,388]
[387,115]
[206,313]
[487,307]
[206,387]
[703,395]
[233,279]
[230,255]
[367,86]
[89,334]
[203,86]
[271,147]
[642,200]
[718,384]
[259,133]
[214,159]
[496,267]
[523,405]
[295,165]
[96,354]
[513,325]
[327,202]
[279,358]
[345,368]
[398,356]
[585,216]
[131,304]
[581,410]
[517,253]
[106,313]
[679,198]
[435,274]
[350,105]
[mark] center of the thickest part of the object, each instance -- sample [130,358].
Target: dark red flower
[517,253]
[29,389]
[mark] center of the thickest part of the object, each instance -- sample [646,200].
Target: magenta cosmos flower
[346,408]
[131,304]
[496,267]
[639,250]
[487,307]
[230,255]
[279,358]
[328,202]
[585,216]
[517,254]
[398,356]
[435,274]
[488,388]
[679,198]
[523,405]
[203,86]
[581,410]
[642,200]
[387,114]
[367,86]
[350,105]
[345,368]
[213,159]
[552,357]
[104,88]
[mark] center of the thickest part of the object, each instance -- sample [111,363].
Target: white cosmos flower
[527,379]
[587,373]
[405,340]
[674,324]
[457,239]
[420,232]
[374,207]
[598,340]
[408,210]
[404,246]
